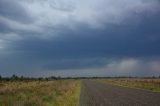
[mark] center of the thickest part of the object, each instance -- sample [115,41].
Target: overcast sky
[80,37]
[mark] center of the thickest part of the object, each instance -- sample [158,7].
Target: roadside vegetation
[152,84]
[40,92]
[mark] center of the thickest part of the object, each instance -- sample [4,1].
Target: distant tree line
[21,78]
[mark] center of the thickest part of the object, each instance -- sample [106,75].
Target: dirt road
[99,94]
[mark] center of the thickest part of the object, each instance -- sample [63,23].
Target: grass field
[59,92]
[40,93]
[146,84]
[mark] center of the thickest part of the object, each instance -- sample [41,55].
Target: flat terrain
[99,94]
[152,84]
[40,93]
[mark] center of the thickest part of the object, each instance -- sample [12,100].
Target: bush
[14,77]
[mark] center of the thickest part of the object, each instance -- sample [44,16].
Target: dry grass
[147,84]
[40,93]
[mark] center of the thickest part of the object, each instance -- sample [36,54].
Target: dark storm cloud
[116,40]
[77,45]
[14,11]
[82,41]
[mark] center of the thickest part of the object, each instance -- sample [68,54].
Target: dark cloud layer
[117,40]
[30,47]
[14,11]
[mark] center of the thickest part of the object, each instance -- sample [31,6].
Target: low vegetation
[146,84]
[40,93]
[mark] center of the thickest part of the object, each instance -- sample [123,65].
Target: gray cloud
[54,13]
[120,67]
[14,11]
[90,37]
[92,12]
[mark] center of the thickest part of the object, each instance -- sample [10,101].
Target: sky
[80,37]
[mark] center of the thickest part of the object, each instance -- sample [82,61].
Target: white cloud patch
[131,66]
[125,66]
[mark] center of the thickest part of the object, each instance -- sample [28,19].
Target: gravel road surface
[99,94]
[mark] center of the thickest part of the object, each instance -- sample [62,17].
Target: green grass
[144,84]
[40,93]
[71,98]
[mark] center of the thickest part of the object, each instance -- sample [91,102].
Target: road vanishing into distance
[99,94]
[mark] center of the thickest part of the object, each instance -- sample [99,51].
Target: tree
[14,77]
[59,77]
[21,78]
[40,78]
[0,77]
[46,79]
[53,78]
[153,76]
